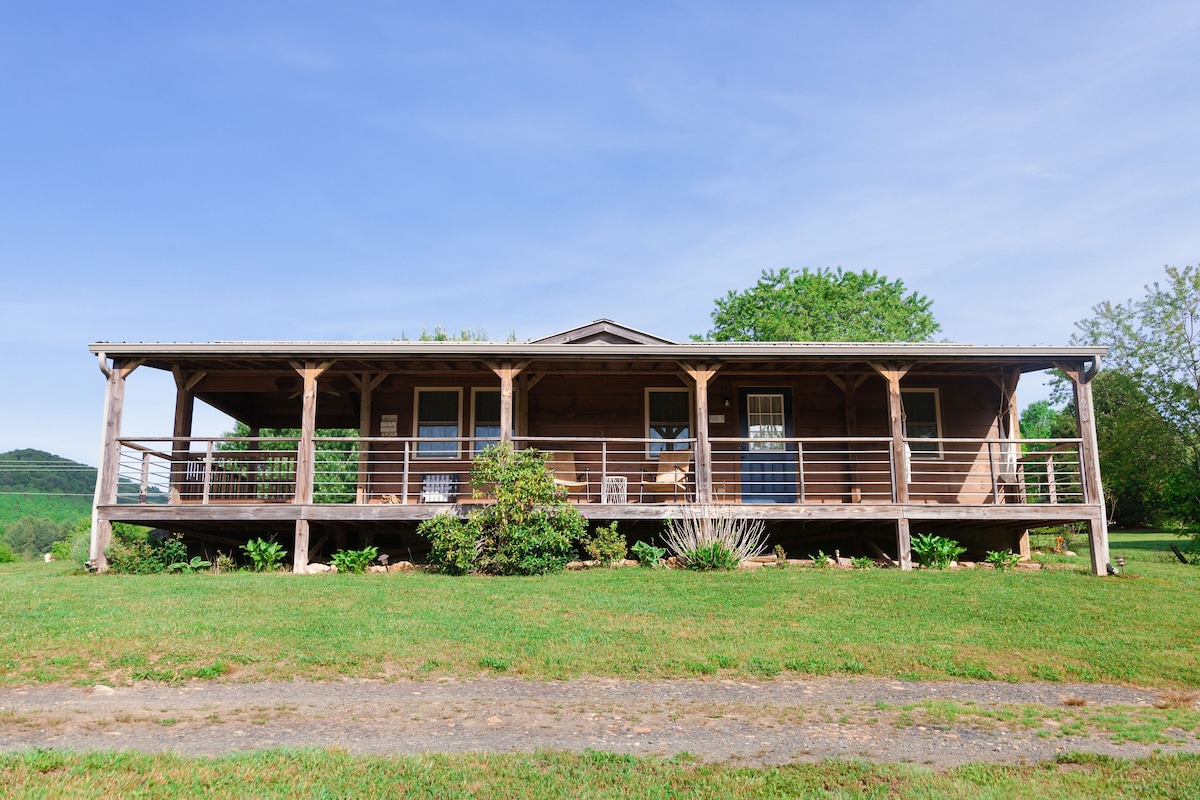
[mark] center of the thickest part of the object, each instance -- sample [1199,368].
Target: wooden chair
[562,465]
[671,478]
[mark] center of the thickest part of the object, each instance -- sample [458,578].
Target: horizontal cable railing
[794,470]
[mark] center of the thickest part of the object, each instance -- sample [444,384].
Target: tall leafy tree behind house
[335,463]
[823,306]
[1148,399]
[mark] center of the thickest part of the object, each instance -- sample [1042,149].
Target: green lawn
[1053,625]
[324,774]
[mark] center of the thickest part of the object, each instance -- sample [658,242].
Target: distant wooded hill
[34,483]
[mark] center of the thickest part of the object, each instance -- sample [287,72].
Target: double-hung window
[438,416]
[923,420]
[485,417]
[668,420]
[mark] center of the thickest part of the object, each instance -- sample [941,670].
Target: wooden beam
[892,373]
[507,371]
[904,543]
[702,375]
[1093,489]
[185,404]
[309,371]
[110,457]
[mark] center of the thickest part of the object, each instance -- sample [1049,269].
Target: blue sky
[191,172]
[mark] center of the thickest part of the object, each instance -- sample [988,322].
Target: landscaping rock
[1070,553]
[102,689]
[401,566]
[317,569]
[751,564]
[967,564]
[672,561]
[799,562]
[1029,565]
[629,562]
[377,568]
[765,559]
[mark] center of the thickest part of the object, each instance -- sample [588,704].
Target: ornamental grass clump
[705,538]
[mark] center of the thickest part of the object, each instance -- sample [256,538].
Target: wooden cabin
[852,446]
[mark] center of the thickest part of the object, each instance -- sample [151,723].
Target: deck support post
[367,383]
[1089,459]
[110,456]
[309,371]
[903,543]
[702,375]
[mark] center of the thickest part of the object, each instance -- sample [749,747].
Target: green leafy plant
[195,565]
[224,563]
[265,556]
[529,529]
[820,560]
[134,551]
[861,562]
[354,561]
[647,555]
[935,552]
[606,545]
[1002,559]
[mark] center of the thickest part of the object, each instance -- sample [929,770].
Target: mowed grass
[321,774]
[1050,625]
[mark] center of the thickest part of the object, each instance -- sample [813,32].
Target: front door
[768,462]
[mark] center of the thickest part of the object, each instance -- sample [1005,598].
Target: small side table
[615,489]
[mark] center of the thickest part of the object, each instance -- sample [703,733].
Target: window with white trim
[485,417]
[438,414]
[668,420]
[923,420]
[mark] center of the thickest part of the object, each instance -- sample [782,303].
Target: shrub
[354,561]
[647,555]
[935,552]
[861,562]
[692,536]
[264,556]
[1002,559]
[138,551]
[7,556]
[528,530]
[606,545]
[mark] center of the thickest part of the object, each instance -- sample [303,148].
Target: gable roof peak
[602,331]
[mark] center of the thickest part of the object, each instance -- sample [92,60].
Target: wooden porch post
[367,384]
[702,374]
[110,456]
[892,373]
[185,405]
[310,371]
[849,385]
[1089,458]
[507,371]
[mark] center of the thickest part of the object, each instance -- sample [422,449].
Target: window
[668,419]
[485,417]
[922,420]
[765,422]
[437,416]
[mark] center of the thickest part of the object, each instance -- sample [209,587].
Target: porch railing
[406,470]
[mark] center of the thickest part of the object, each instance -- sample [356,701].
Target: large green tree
[1153,411]
[823,306]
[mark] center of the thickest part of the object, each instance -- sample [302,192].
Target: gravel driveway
[768,722]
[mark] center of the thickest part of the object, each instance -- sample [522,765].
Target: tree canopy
[1148,401]
[823,306]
